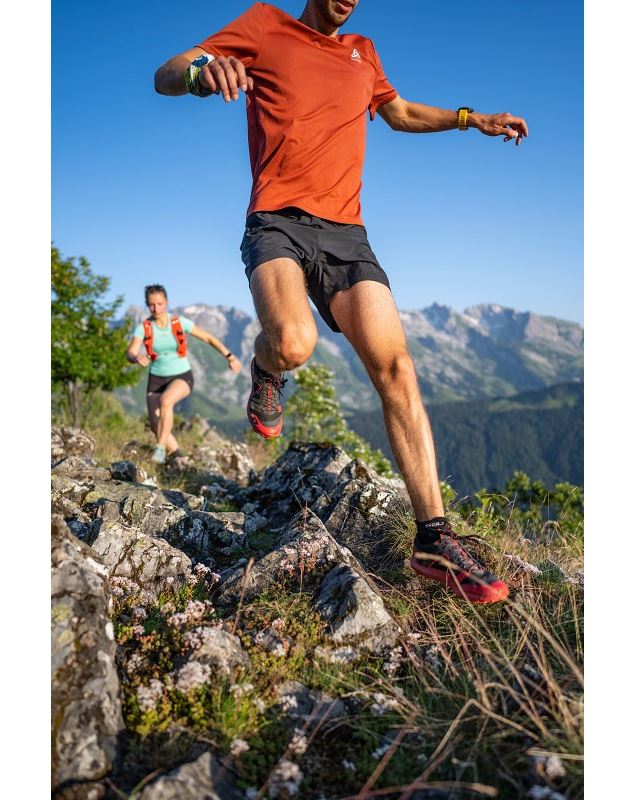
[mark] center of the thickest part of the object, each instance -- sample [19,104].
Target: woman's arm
[205,336]
[133,355]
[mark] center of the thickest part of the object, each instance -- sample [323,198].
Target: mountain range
[464,360]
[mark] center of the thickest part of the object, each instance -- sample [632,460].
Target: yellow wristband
[462,118]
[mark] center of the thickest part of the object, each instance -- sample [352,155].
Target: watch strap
[462,117]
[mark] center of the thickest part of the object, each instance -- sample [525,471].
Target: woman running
[170,379]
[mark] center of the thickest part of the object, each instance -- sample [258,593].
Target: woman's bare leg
[176,391]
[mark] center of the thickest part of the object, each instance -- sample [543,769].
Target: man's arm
[222,76]
[403,115]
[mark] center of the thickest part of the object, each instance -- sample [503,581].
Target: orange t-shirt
[306,114]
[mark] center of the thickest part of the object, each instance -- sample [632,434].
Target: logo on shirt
[356,56]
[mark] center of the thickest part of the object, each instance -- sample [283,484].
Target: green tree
[87,352]
[313,415]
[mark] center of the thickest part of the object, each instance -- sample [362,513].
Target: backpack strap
[148,339]
[179,335]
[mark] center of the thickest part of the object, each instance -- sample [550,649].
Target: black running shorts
[332,255]
[157,384]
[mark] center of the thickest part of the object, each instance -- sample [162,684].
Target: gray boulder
[305,551]
[127,471]
[80,468]
[302,475]
[204,779]
[86,706]
[359,515]
[67,441]
[355,613]
[298,702]
[230,461]
[152,563]
[171,515]
[346,599]
[221,650]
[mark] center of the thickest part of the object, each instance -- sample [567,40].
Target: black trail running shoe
[448,562]
[264,408]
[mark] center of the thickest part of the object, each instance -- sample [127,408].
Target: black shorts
[157,384]
[332,255]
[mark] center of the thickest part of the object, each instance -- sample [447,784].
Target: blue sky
[154,189]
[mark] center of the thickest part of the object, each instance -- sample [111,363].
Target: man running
[308,91]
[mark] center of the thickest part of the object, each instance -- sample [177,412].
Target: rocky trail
[157,603]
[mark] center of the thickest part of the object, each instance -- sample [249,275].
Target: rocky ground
[258,638]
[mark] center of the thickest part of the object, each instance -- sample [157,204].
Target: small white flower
[139,613]
[177,620]
[135,662]
[288,701]
[195,611]
[348,765]
[192,676]
[286,777]
[298,744]
[238,746]
[148,696]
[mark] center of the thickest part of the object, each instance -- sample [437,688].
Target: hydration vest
[178,332]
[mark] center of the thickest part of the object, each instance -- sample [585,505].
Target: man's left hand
[500,125]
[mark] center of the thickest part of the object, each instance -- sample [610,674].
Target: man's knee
[293,346]
[166,404]
[395,371]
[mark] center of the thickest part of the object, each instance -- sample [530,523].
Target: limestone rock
[300,703]
[357,470]
[306,549]
[231,461]
[152,563]
[203,779]
[297,479]
[171,515]
[355,613]
[221,650]
[80,468]
[358,515]
[67,441]
[87,717]
[127,471]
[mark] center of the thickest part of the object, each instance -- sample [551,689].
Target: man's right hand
[226,75]
[142,360]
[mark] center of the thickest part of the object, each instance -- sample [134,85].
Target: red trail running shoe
[448,562]
[264,408]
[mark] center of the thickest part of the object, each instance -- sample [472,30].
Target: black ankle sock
[428,530]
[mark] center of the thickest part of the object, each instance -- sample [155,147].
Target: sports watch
[462,118]
[192,73]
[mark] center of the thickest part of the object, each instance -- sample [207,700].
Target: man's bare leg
[289,333]
[368,317]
